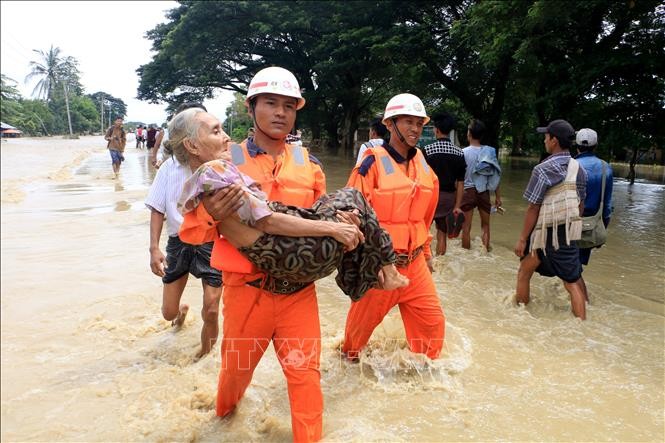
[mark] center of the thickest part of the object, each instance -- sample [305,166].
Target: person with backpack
[598,186]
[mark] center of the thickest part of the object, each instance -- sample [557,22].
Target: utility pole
[101,102]
[69,117]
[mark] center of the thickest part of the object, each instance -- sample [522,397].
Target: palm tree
[51,70]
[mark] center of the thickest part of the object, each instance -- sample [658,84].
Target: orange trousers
[419,305]
[252,318]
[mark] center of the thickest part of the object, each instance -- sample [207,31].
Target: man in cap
[403,190]
[556,193]
[597,171]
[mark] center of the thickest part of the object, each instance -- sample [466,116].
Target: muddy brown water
[86,355]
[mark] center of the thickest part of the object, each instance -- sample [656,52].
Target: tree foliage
[237,121]
[48,115]
[514,64]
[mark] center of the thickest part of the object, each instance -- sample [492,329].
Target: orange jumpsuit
[252,316]
[404,194]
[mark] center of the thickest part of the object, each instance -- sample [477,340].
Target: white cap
[275,80]
[404,104]
[586,137]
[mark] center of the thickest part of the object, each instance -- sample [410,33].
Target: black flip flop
[458,223]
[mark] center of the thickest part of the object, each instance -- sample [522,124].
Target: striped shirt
[165,192]
[551,172]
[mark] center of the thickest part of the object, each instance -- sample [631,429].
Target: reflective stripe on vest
[401,203]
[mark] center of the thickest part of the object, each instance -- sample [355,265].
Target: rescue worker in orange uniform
[403,190]
[257,308]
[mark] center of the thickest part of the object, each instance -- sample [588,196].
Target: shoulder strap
[602,192]
[573,167]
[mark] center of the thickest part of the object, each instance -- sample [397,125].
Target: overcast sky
[107,38]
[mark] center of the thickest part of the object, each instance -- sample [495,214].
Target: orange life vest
[290,181]
[401,203]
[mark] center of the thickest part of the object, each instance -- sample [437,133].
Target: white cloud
[107,38]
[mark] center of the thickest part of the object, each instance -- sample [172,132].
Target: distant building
[9,131]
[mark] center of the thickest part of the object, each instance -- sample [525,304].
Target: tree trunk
[631,172]
[42,122]
[315,129]
[330,126]
[491,132]
[69,117]
[349,127]
[518,142]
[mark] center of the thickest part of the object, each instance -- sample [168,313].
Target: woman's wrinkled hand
[350,217]
[223,203]
[348,234]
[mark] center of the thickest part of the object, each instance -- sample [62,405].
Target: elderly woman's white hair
[183,126]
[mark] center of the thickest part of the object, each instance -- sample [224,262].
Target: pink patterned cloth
[218,174]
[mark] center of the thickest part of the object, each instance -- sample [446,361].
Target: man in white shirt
[181,258]
[159,152]
[377,134]
[473,197]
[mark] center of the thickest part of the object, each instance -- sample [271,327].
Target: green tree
[8,89]
[237,121]
[113,106]
[10,107]
[334,49]
[38,116]
[515,64]
[599,64]
[54,69]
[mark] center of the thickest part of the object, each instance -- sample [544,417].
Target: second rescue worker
[403,190]
[257,309]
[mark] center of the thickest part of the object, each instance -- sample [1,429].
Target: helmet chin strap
[252,104]
[400,136]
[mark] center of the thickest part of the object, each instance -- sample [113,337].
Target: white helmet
[404,104]
[275,80]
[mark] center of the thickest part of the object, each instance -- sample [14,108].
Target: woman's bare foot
[392,279]
[180,319]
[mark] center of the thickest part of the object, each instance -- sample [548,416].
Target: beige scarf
[561,206]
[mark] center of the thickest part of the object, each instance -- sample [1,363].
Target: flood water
[86,355]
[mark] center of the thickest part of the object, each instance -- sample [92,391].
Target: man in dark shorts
[181,258]
[554,259]
[447,161]
[473,196]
